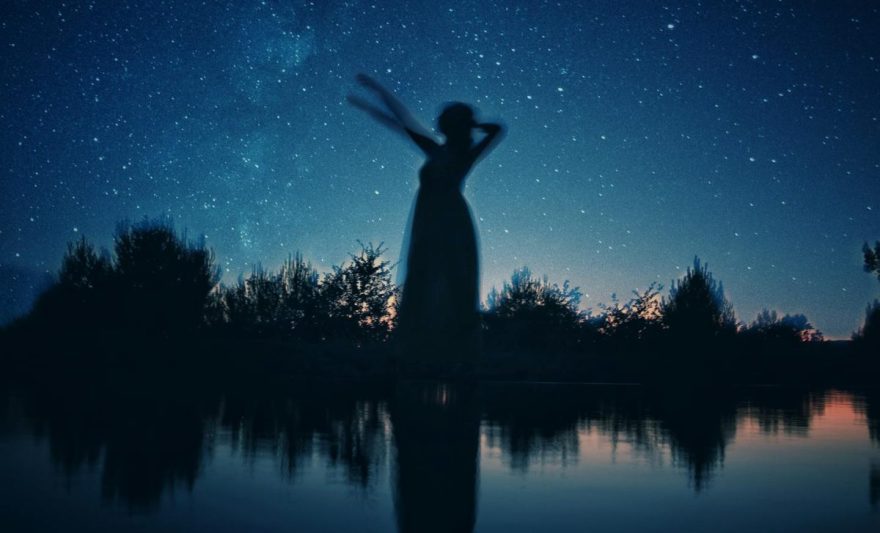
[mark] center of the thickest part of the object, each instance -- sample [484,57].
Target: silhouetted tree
[286,303]
[359,297]
[162,280]
[83,268]
[531,313]
[868,336]
[300,306]
[252,305]
[769,327]
[696,307]
[872,259]
[638,320]
[82,293]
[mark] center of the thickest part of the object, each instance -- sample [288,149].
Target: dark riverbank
[837,363]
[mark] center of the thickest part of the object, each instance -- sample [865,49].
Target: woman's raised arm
[379,115]
[493,133]
[402,118]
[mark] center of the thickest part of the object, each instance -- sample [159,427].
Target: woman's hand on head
[488,127]
[493,134]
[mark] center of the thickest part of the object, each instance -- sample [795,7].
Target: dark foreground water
[434,457]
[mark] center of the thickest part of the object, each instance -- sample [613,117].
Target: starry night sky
[638,136]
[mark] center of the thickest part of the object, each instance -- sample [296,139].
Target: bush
[696,307]
[640,319]
[163,280]
[156,283]
[872,259]
[768,327]
[359,297]
[531,313]
[300,306]
[81,294]
[252,306]
[83,269]
[868,336]
[282,304]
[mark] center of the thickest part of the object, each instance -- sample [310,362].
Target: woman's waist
[444,191]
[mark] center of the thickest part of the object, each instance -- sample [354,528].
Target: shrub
[83,269]
[359,297]
[769,327]
[639,319]
[872,259]
[869,334]
[531,313]
[80,296]
[163,281]
[286,304]
[696,307]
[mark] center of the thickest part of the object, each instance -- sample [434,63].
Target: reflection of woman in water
[438,309]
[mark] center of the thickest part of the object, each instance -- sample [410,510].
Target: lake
[424,456]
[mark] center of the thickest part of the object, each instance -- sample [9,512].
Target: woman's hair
[456,119]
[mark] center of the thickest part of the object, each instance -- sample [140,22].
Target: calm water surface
[435,457]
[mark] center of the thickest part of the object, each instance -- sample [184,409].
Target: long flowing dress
[439,307]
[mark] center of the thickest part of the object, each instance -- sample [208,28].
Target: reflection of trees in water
[147,441]
[533,422]
[697,425]
[867,403]
[529,422]
[874,485]
[155,445]
[787,413]
[343,425]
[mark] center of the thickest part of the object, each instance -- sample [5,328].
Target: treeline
[690,333]
[531,312]
[354,302]
[156,284]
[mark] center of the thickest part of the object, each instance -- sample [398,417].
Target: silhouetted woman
[440,301]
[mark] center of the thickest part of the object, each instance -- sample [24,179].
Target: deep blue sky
[639,135]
